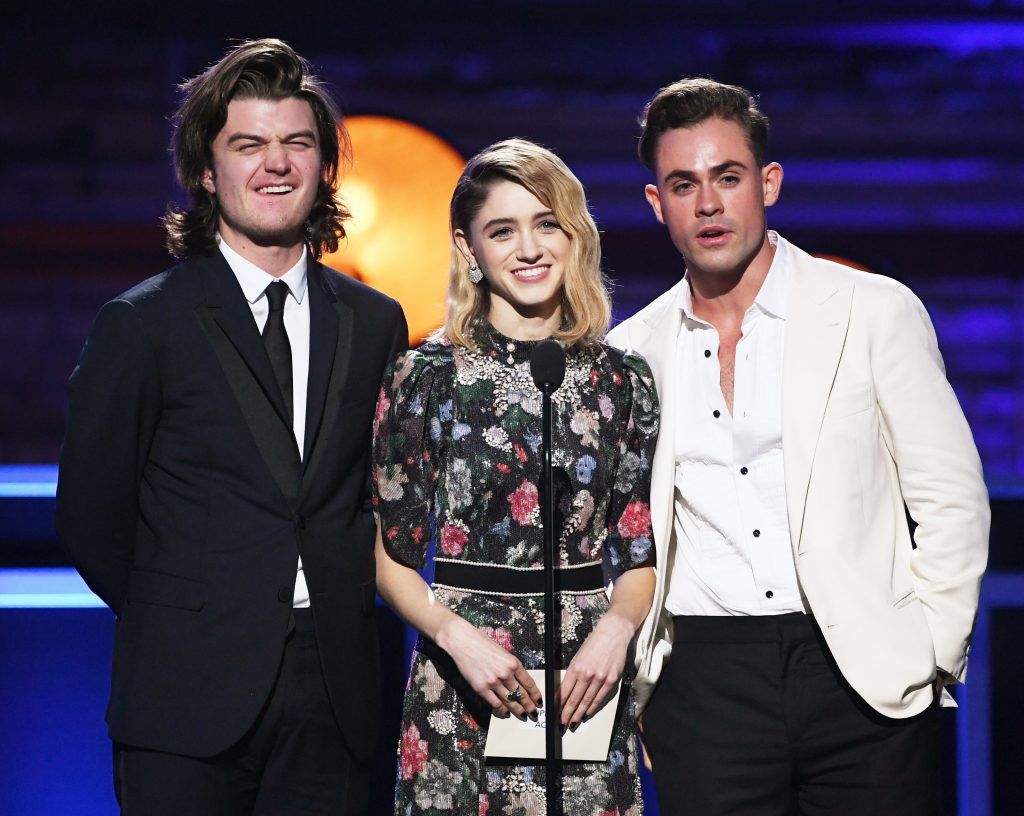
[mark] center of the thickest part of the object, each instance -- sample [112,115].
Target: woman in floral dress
[457,460]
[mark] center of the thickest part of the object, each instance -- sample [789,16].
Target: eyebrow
[494,222]
[252,137]
[717,170]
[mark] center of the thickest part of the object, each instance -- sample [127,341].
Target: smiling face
[712,196]
[522,251]
[265,174]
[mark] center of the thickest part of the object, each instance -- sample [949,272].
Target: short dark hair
[256,69]
[691,101]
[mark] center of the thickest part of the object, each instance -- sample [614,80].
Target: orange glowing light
[844,261]
[398,190]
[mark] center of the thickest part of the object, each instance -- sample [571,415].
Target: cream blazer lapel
[659,349]
[817,322]
[652,333]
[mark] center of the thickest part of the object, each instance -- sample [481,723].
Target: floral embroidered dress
[457,457]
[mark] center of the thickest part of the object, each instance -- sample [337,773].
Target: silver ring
[515,695]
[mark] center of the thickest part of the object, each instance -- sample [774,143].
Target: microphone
[547,365]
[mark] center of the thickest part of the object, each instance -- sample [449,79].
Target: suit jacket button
[300,522]
[285,594]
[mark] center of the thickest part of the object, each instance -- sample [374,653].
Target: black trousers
[751,717]
[292,761]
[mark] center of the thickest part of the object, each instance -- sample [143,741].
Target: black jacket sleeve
[113,409]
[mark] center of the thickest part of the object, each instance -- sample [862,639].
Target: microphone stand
[547,365]
[552,731]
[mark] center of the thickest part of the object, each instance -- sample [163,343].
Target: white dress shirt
[733,554]
[254,282]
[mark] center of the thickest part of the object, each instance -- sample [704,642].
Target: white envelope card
[513,738]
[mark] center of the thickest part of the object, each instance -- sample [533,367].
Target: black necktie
[275,338]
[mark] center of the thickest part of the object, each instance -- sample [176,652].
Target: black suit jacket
[184,503]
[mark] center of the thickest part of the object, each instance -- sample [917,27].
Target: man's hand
[942,679]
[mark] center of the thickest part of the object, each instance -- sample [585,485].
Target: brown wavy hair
[586,306]
[689,102]
[256,69]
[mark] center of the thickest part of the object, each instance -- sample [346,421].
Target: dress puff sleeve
[405,451]
[630,542]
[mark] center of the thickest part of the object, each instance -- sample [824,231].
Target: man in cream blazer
[805,411]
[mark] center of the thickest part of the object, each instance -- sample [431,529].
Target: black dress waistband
[494,579]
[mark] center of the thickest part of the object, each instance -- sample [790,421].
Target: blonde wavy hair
[586,306]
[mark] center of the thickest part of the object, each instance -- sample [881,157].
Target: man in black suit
[213,481]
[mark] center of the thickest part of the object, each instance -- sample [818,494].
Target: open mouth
[277,189]
[531,273]
[711,233]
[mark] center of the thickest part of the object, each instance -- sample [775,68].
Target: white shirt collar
[254,281]
[770,299]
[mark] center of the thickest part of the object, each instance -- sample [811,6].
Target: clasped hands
[501,680]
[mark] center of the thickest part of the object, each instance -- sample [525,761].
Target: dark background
[898,124]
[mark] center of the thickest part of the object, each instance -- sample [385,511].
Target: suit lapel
[227,320]
[817,320]
[323,346]
[331,332]
[232,313]
[656,337]
[659,349]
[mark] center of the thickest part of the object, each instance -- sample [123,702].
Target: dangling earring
[475,275]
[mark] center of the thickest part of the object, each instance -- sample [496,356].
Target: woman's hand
[595,670]
[492,672]
[598,664]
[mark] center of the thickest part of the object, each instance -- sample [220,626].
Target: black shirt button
[707,352]
[757,533]
[716,413]
[743,471]
[769,594]
[285,594]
